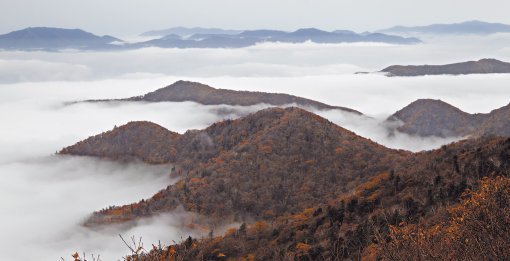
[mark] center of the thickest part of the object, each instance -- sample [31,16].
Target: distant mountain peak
[467,27]
[51,38]
[180,86]
[426,102]
[55,39]
[344,32]
[309,30]
[427,106]
[252,37]
[482,66]
[183,84]
[53,32]
[141,140]
[204,94]
[427,117]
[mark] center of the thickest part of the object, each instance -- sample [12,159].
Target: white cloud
[37,70]
[47,196]
[379,131]
[44,200]
[263,60]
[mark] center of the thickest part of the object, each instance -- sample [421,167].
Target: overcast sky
[131,17]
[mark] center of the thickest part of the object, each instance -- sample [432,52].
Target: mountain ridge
[307,185]
[55,39]
[50,38]
[362,224]
[252,37]
[428,117]
[269,142]
[468,27]
[482,66]
[204,94]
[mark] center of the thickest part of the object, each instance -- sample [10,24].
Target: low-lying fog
[45,197]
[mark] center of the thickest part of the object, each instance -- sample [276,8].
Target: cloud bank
[263,60]
[44,200]
[45,197]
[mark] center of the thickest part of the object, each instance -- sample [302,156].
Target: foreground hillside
[270,163]
[427,117]
[476,228]
[378,219]
[181,91]
[482,66]
[304,188]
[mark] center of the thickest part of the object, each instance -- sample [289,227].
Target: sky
[132,17]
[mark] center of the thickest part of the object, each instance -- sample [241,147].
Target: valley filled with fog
[37,120]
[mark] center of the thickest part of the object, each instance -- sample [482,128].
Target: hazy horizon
[133,17]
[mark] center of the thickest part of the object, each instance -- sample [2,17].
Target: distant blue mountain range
[46,38]
[54,39]
[249,38]
[470,27]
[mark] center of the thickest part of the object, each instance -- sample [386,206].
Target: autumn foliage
[306,189]
[478,228]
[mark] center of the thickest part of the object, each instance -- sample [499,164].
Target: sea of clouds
[45,197]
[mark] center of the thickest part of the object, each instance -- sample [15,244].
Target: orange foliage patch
[303,248]
[259,226]
[266,149]
[230,231]
[158,195]
[195,180]
[219,161]
[310,162]
[371,185]
[116,212]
